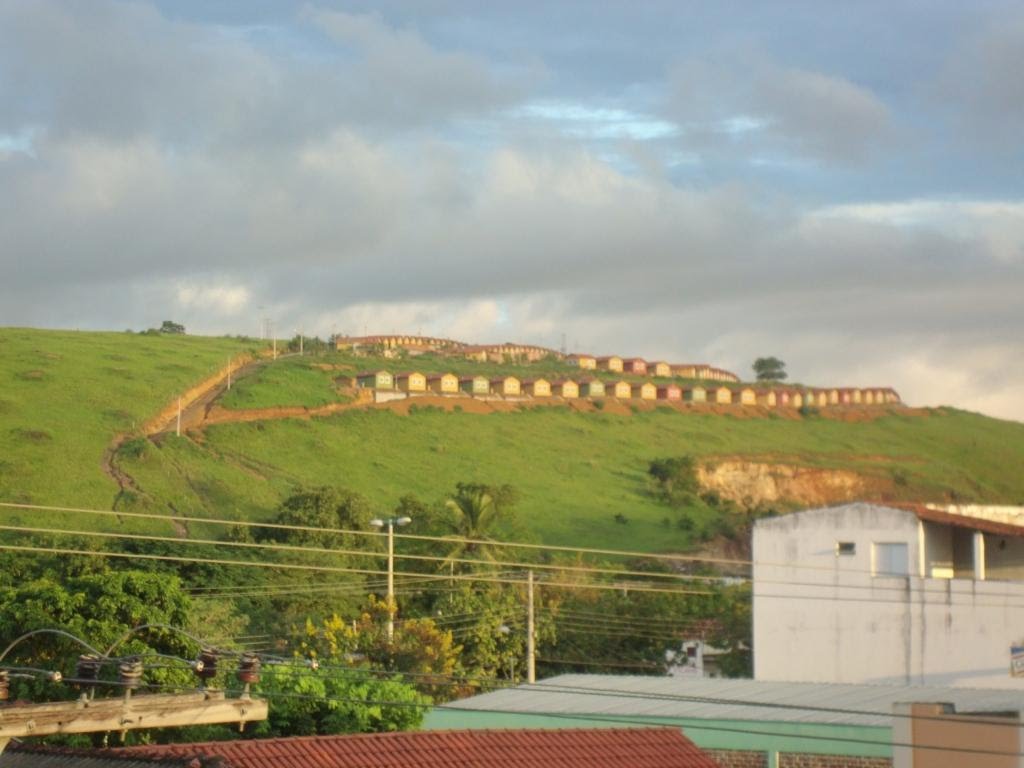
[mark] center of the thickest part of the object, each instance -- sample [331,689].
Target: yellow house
[869,397]
[506,385]
[537,387]
[443,383]
[767,398]
[644,391]
[610,363]
[695,395]
[592,388]
[622,390]
[375,380]
[475,385]
[796,400]
[586,362]
[660,369]
[411,381]
[723,395]
[566,388]
[685,371]
[833,397]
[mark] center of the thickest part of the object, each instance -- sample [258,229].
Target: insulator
[206,665]
[129,673]
[249,668]
[5,685]
[88,668]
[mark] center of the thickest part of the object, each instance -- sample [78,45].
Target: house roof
[438,376]
[567,748]
[361,374]
[942,517]
[36,756]
[620,698]
[473,378]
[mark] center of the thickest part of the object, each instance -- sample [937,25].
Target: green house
[475,385]
[375,380]
[591,388]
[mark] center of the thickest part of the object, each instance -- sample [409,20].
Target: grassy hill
[581,476]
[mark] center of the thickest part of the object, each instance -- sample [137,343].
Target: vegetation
[769,369]
[289,381]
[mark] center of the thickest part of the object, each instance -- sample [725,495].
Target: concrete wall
[933,736]
[823,617]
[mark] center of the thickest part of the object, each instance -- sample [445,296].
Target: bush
[621,519]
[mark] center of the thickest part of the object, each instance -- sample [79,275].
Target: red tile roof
[564,748]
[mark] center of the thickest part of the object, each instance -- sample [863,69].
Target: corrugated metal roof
[730,699]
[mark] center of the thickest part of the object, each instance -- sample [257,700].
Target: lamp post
[391,522]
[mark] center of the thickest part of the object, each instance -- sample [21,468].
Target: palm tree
[474,510]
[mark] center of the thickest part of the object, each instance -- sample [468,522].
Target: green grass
[65,395]
[575,472]
[289,381]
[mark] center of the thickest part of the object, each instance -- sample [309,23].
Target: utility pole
[177,430]
[229,374]
[391,522]
[531,649]
[300,343]
[127,713]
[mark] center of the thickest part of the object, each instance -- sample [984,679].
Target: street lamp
[391,522]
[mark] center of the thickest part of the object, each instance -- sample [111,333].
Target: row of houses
[512,386]
[390,345]
[659,368]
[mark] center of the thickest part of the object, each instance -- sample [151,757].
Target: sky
[840,185]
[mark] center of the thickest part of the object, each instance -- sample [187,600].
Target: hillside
[580,471]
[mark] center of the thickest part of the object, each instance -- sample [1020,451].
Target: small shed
[475,385]
[833,397]
[723,395]
[644,391]
[611,363]
[661,369]
[635,365]
[880,398]
[845,396]
[443,383]
[783,398]
[821,396]
[585,362]
[622,390]
[857,395]
[375,380]
[796,399]
[748,396]
[869,397]
[411,381]
[767,398]
[506,385]
[695,395]
[565,388]
[670,392]
[537,387]
[592,388]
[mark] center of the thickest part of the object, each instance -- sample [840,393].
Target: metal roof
[636,697]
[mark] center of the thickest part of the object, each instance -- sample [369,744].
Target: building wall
[568,389]
[723,395]
[446,384]
[623,390]
[823,617]
[540,388]
[940,738]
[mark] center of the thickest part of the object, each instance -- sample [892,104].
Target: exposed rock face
[751,483]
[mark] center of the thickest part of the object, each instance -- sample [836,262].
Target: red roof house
[566,748]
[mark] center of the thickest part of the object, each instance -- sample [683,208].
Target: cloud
[764,107]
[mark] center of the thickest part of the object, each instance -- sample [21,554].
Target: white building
[863,593]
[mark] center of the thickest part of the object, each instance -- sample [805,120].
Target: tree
[475,508]
[675,479]
[169,326]
[769,369]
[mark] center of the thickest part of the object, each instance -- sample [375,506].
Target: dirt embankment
[755,483]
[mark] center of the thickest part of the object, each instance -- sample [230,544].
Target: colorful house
[685,370]
[796,399]
[644,391]
[622,390]
[612,363]
[566,388]
[375,380]
[782,398]
[443,383]
[537,387]
[661,369]
[748,396]
[695,395]
[506,385]
[586,362]
[858,396]
[723,395]
[411,381]
[767,398]
[475,385]
[833,397]
[592,388]
[635,365]
[821,396]
[670,392]
[869,397]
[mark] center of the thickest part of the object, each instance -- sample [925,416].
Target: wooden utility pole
[122,714]
[229,374]
[531,647]
[177,429]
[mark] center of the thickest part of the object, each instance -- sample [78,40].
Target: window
[846,548]
[891,560]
